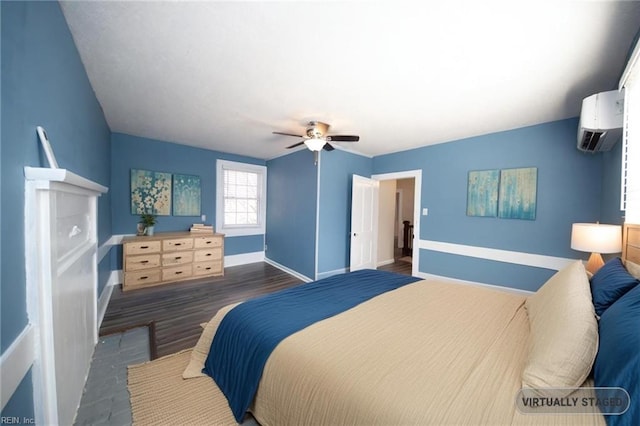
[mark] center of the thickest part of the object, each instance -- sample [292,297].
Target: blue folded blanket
[250,332]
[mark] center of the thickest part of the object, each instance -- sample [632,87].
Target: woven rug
[160,396]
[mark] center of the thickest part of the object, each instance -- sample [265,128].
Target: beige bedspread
[427,353]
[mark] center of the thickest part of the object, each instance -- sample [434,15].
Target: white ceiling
[224,75]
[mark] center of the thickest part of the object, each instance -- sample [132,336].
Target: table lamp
[596,238]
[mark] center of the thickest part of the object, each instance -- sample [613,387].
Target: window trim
[630,176]
[235,230]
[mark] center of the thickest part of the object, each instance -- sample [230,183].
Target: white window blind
[241,202]
[630,179]
[240,198]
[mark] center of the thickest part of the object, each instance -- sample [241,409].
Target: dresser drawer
[207,255]
[176,244]
[141,278]
[141,247]
[207,268]
[176,273]
[177,258]
[145,261]
[204,242]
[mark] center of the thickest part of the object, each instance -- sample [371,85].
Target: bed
[431,352]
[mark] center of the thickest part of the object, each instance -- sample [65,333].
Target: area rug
[160,396]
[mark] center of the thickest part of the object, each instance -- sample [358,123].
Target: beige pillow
[632,268]
[201,350]
[563,340]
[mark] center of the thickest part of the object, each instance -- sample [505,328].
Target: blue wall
[569,190]
[336,175]
[572,187]
[132,152]
[43,83]
[291,211]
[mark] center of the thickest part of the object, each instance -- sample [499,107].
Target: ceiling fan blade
[343,138]
[286,134]
[328,147]
[295,144]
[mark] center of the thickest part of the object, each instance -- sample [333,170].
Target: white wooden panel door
[364,223]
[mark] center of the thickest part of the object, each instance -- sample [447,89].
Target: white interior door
[364,223]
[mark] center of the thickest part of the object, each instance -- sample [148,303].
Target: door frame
[398,221]
[417,206]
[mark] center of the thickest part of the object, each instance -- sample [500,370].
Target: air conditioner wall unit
[600,124]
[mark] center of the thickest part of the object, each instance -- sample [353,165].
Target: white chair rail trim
[16,362]
[516,257]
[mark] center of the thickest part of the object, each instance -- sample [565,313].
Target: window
[240,198]
[630,191]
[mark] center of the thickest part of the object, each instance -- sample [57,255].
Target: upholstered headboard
[631,243]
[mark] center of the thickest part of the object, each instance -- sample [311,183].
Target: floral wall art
[150,192]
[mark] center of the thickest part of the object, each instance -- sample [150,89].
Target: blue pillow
[618,361]
[610,283]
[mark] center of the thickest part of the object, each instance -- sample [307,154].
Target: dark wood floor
[176,310]
[398,266]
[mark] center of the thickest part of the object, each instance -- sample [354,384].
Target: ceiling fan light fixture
[315,144]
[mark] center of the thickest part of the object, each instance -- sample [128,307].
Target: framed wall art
[186,195]
[482,193]
[518,193]
[150,192]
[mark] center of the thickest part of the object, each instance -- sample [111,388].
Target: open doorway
[403,225]
[398,227]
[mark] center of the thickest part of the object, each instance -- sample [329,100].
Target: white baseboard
[328,274]
[474,283]
[516,257]
[103,300]
[385,262]
[115,278]
[243,258]
[16,361]
[288,270]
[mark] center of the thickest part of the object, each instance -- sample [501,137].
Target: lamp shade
[315,144]
[596,238]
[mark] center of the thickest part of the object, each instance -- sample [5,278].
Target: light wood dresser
[169,257]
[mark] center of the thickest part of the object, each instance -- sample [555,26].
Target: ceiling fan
[316,138]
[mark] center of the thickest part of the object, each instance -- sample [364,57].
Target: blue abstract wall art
[518,193]
[507,193]
[186,195]
[482,193]
[150,192]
